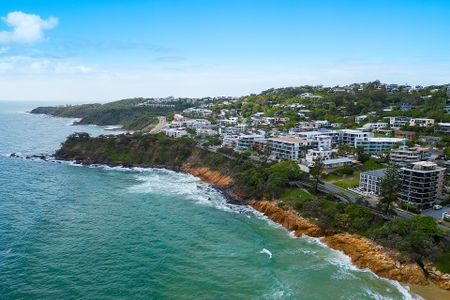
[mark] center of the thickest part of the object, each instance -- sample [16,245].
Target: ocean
[71,232]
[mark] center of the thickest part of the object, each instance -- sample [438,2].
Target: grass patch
[296,197]
[348,182]
[331,177]
[443,262]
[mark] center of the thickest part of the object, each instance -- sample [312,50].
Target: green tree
[316,171]
[362,156]
[389,187]
[279,176]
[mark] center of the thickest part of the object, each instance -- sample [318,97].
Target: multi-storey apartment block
[404,155]
[350,136]
[370,181]
[285,148]
[245,141]
[378,145]
[422,184]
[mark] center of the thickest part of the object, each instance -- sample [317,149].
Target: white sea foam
[265,251]
[344,262]
[158,181]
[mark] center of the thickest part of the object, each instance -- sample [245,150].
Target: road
[160,126]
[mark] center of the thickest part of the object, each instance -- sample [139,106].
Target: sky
[103,50]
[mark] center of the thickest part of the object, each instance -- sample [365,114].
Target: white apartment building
[313,154]
[374,126]
[444,128]
[229,141]
[378,145]
[404,155]
[323,141]
[422,184]
[285,148]
[369,181]
[245,141]
[349,136]
[205,132]
[175,132]
[421,122]
[398,122]
[359,119]
[318,138]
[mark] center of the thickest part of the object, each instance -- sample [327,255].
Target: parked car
[437,207]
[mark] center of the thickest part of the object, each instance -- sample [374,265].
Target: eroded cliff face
[366,254]
[210,176]
[363,252]
[288,219]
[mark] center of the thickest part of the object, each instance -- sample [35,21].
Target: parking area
[437,214]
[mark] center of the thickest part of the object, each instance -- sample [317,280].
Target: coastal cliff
[367,254]
[363,252]
[226,174]
[288,219]
[209,176]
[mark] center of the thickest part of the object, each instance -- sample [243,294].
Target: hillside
[133,114]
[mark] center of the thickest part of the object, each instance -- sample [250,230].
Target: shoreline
[361,256]
[364,253]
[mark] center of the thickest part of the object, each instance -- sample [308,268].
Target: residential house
[398,122]
[409,135]
[318,153]
[339,162]
[421,122]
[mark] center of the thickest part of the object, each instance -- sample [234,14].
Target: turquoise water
[69,232]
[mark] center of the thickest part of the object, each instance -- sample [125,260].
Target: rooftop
[287,139]
[386,139]
[376,173]
[336,160]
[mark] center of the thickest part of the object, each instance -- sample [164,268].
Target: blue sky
[105,50]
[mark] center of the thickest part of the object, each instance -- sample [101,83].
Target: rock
[366,254]
[210,176]
[288,219]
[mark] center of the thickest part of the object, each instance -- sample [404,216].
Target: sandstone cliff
[210,176]
[366,254]
[288,219]
[363,252]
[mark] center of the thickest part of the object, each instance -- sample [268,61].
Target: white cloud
[20,65]
[26,28]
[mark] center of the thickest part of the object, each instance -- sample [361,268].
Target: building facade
[397,122]
[285,148]
[245,141]
[369,181]
[404,155]
[421,122]
[378,145]
[313,154]
[422,184]
[349,136]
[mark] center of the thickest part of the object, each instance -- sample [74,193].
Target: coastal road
[160,126]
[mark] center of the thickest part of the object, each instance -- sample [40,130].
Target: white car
[437,207]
